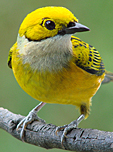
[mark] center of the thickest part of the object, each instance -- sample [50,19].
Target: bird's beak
[71,30]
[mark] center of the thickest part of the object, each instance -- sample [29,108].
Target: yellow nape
[31,28]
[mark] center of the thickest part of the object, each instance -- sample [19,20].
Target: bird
[53,66]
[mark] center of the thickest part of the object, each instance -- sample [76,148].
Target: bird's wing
[87,57]
[9,61]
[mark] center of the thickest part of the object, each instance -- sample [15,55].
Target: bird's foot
[67,128]
[32,116]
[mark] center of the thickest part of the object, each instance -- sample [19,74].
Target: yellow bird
[53,66]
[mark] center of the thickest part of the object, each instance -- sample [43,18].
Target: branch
[43,135]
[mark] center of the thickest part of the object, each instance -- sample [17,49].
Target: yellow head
[46,22]
[45,34]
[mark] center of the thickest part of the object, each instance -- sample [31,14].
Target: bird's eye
[71,24]
[50,25]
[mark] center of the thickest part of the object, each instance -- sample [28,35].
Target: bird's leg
[67,128]
[32,116]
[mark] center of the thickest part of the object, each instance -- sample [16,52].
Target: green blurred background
[98,16]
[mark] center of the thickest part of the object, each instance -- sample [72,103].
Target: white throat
[51,54]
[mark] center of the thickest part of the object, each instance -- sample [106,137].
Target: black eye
[71,24]
[50,25]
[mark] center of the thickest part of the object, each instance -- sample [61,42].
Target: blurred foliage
[98,16]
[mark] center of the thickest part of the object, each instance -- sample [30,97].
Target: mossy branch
[43,135]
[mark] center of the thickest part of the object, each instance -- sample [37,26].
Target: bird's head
[48,22]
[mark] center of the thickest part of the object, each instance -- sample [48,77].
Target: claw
[59,128]
[24,122]
[32,116]
[20,124]
[68,128]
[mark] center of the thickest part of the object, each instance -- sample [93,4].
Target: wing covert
[9,61]
[87,57]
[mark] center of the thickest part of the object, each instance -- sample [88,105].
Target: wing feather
[87,57]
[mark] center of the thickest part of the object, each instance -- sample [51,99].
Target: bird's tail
[108,77]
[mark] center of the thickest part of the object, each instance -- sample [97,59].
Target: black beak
[71,30]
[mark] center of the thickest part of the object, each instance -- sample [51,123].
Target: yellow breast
[71,85]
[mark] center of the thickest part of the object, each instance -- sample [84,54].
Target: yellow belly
[71,85]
